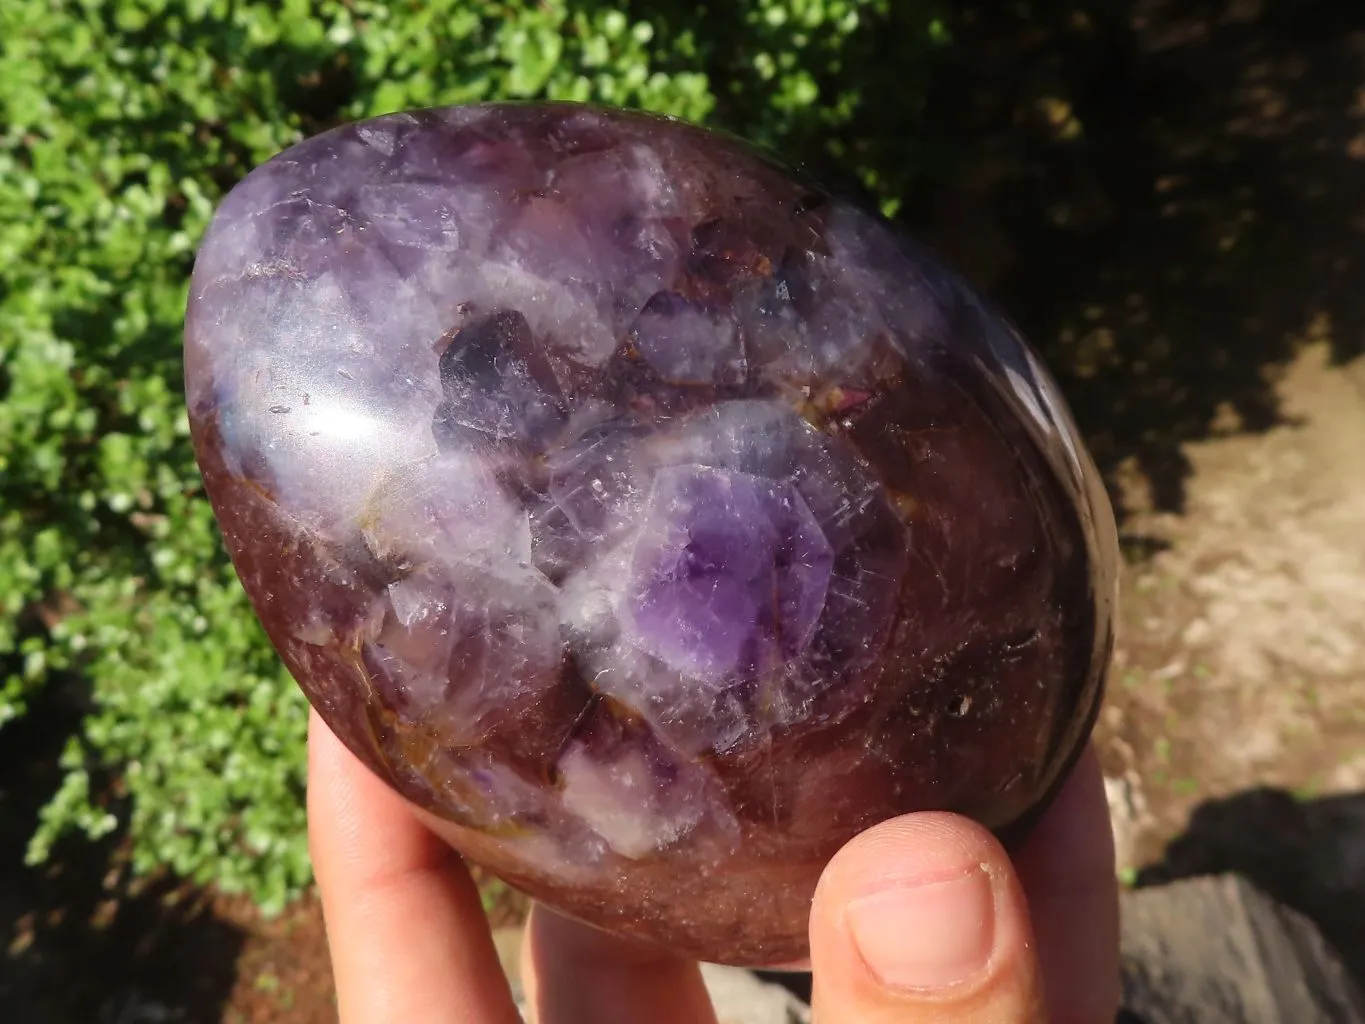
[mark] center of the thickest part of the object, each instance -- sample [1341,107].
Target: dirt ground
[1187,244]
[1243,650]
[1233,737]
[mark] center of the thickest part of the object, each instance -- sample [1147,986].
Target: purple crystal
[649,518]
[728,575]
[498,386]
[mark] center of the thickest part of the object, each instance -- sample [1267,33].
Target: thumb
[921,920]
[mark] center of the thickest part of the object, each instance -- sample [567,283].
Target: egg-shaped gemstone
[651,519]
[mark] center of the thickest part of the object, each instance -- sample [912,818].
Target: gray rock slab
[1216,950]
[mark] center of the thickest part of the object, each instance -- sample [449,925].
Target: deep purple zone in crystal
[651,519]
[728,574]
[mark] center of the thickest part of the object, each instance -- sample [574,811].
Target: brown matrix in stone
[649,518]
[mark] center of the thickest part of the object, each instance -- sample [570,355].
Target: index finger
[1067,870]
[408,936]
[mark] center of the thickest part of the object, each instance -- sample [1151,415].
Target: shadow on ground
[76,945]
[1309,855]
[1178,206]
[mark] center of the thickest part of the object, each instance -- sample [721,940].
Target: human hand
[948,931]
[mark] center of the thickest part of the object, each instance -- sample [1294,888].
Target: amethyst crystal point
[650,519]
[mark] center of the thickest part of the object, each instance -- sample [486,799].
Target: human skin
[1022,941]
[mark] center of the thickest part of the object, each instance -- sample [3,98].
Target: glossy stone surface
[650,519]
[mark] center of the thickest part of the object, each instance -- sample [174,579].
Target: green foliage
[122,123]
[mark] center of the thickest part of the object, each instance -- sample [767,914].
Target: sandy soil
[1242,654]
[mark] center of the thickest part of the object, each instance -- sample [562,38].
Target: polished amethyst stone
[649,518]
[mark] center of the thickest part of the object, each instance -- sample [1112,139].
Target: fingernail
[929,935]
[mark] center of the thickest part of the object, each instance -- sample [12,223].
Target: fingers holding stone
[408,937]
[921,919]
[1067,870]
[576,974]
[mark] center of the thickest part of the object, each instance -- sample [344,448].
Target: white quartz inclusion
[465,643]
[627,802]
[447,510]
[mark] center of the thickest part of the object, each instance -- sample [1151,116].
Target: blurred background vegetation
[1068,154]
